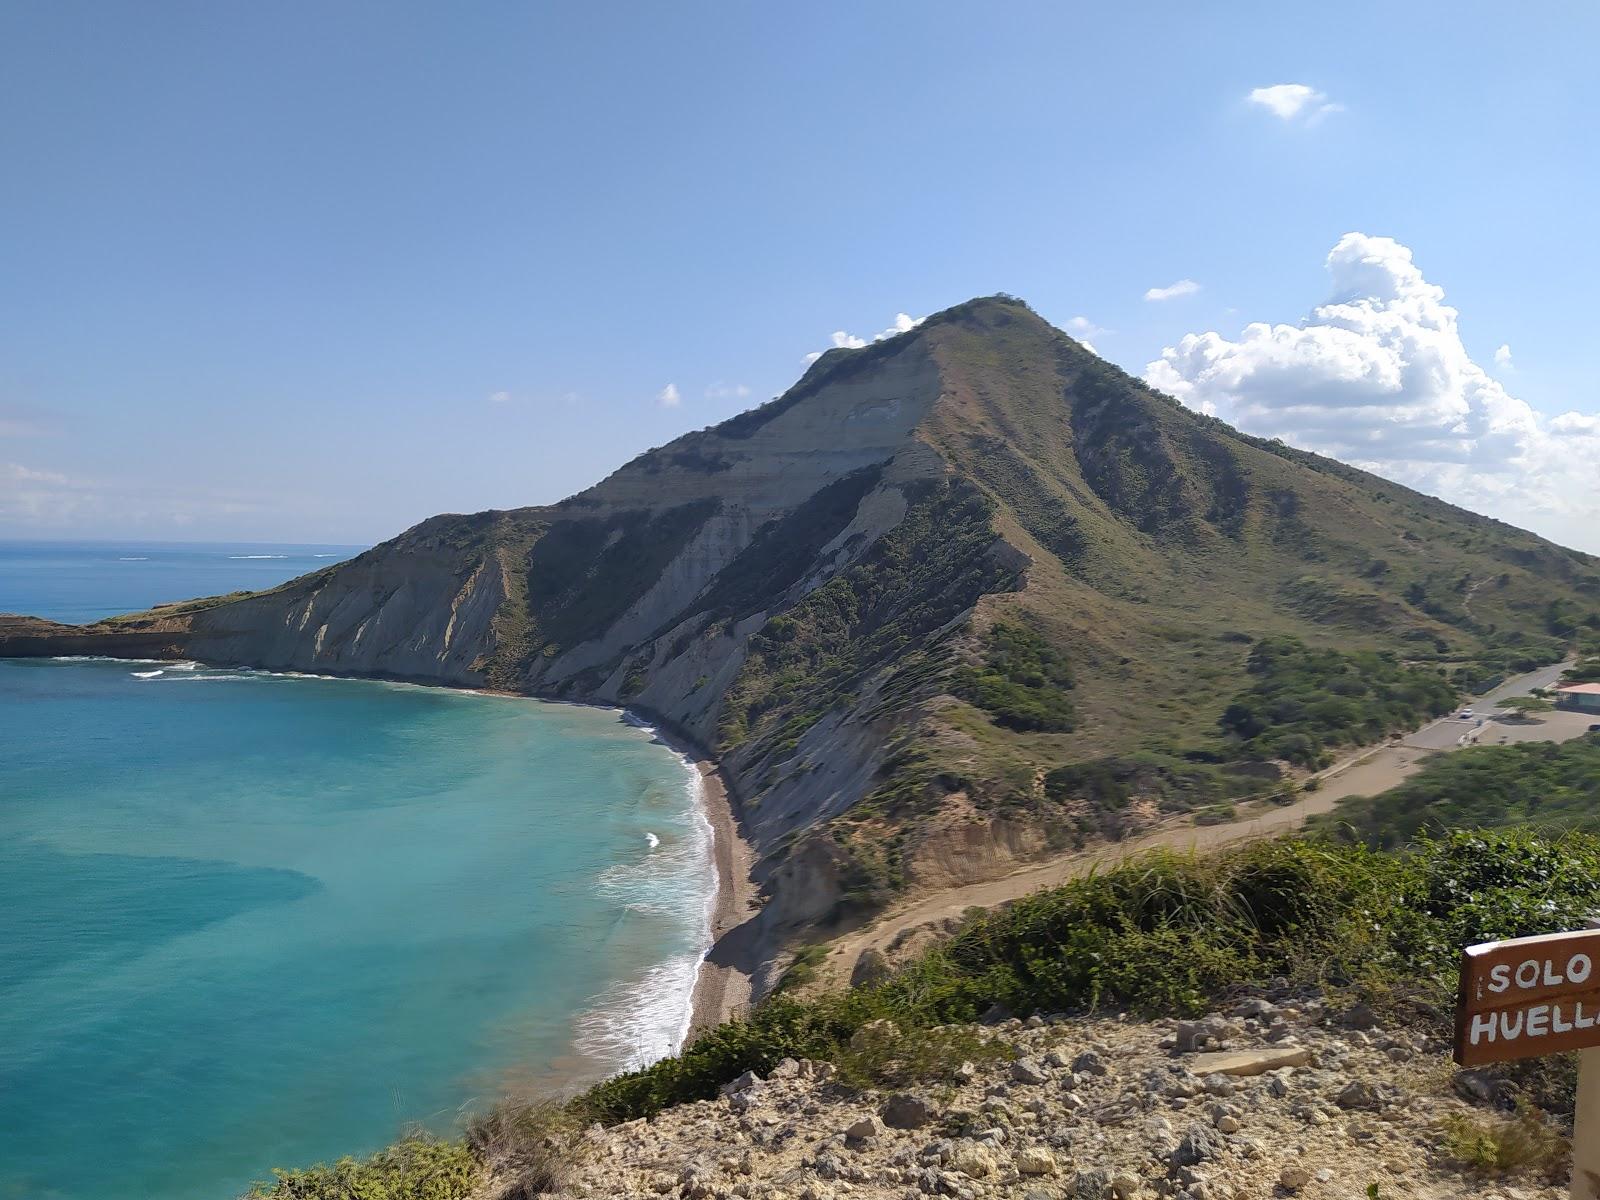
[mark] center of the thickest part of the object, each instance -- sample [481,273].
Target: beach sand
[721,992]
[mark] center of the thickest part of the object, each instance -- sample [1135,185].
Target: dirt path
[1373,770]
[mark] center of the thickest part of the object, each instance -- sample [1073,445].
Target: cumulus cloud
[1378,377]
[1502,357]
[903,323]
[1294,102]
[669,397]
[1184,287]
[499,397]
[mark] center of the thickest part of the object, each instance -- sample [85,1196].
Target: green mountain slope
[955,598]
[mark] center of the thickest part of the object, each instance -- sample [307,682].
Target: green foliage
[1304,702]
[1023,684]
[1525,705]
[1097,794]
[1550,785]
[1585,670]
[418,1167]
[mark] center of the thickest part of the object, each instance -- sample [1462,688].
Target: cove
[253,920]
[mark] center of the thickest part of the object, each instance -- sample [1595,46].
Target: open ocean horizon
[253,919]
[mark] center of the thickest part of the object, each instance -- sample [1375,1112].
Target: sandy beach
[722,991]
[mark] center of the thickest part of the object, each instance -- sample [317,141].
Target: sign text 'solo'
[1529,996]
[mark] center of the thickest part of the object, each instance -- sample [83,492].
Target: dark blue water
[77,582]
[250,920]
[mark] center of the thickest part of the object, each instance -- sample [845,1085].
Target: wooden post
[1586,1121]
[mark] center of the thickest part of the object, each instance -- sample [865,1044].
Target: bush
[1024,683]
[1544,784]
[1305,701]
[531,1146]
[418,1167]
[1493,1145]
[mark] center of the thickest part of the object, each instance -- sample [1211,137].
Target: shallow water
[250,920]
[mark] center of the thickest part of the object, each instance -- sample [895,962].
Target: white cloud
[499,397]
[1294,101]
[1378,377]
[1184,287]
[903,323]
[31,495]
[1502,357]
[668,397]
[727,391]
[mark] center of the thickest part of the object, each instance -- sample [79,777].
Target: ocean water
[77,582]
[251,920]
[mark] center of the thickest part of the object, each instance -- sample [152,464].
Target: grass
[418,1167]
[1489,1144]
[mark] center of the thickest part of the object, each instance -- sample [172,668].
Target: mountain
[961,596]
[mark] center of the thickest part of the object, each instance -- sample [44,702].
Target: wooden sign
[1528,996]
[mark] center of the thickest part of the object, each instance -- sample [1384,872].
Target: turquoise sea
[250,920]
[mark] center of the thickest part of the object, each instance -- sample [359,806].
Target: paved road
[1447,733]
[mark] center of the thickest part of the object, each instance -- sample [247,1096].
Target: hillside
[962,596]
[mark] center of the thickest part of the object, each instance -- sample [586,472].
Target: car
[1594,728]
[1466,714]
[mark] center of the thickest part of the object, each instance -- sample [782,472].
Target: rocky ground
[1273,1098]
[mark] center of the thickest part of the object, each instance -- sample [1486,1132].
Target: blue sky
[316,271]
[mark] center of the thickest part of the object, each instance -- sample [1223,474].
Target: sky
[313,272]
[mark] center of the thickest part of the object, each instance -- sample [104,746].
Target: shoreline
[721,991]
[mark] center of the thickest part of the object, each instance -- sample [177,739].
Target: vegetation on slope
[1303,703]
[880,612]
[1543,784]
[1165,934]
[1023,684]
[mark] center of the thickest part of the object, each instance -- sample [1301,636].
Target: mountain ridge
[957,598]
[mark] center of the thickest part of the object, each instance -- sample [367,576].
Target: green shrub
[1544,784]
[1023,684]
[418,1167]
[1305,701]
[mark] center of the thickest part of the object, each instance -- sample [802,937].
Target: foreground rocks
[1266,1100]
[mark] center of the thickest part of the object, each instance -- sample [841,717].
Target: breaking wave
[635,1022]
